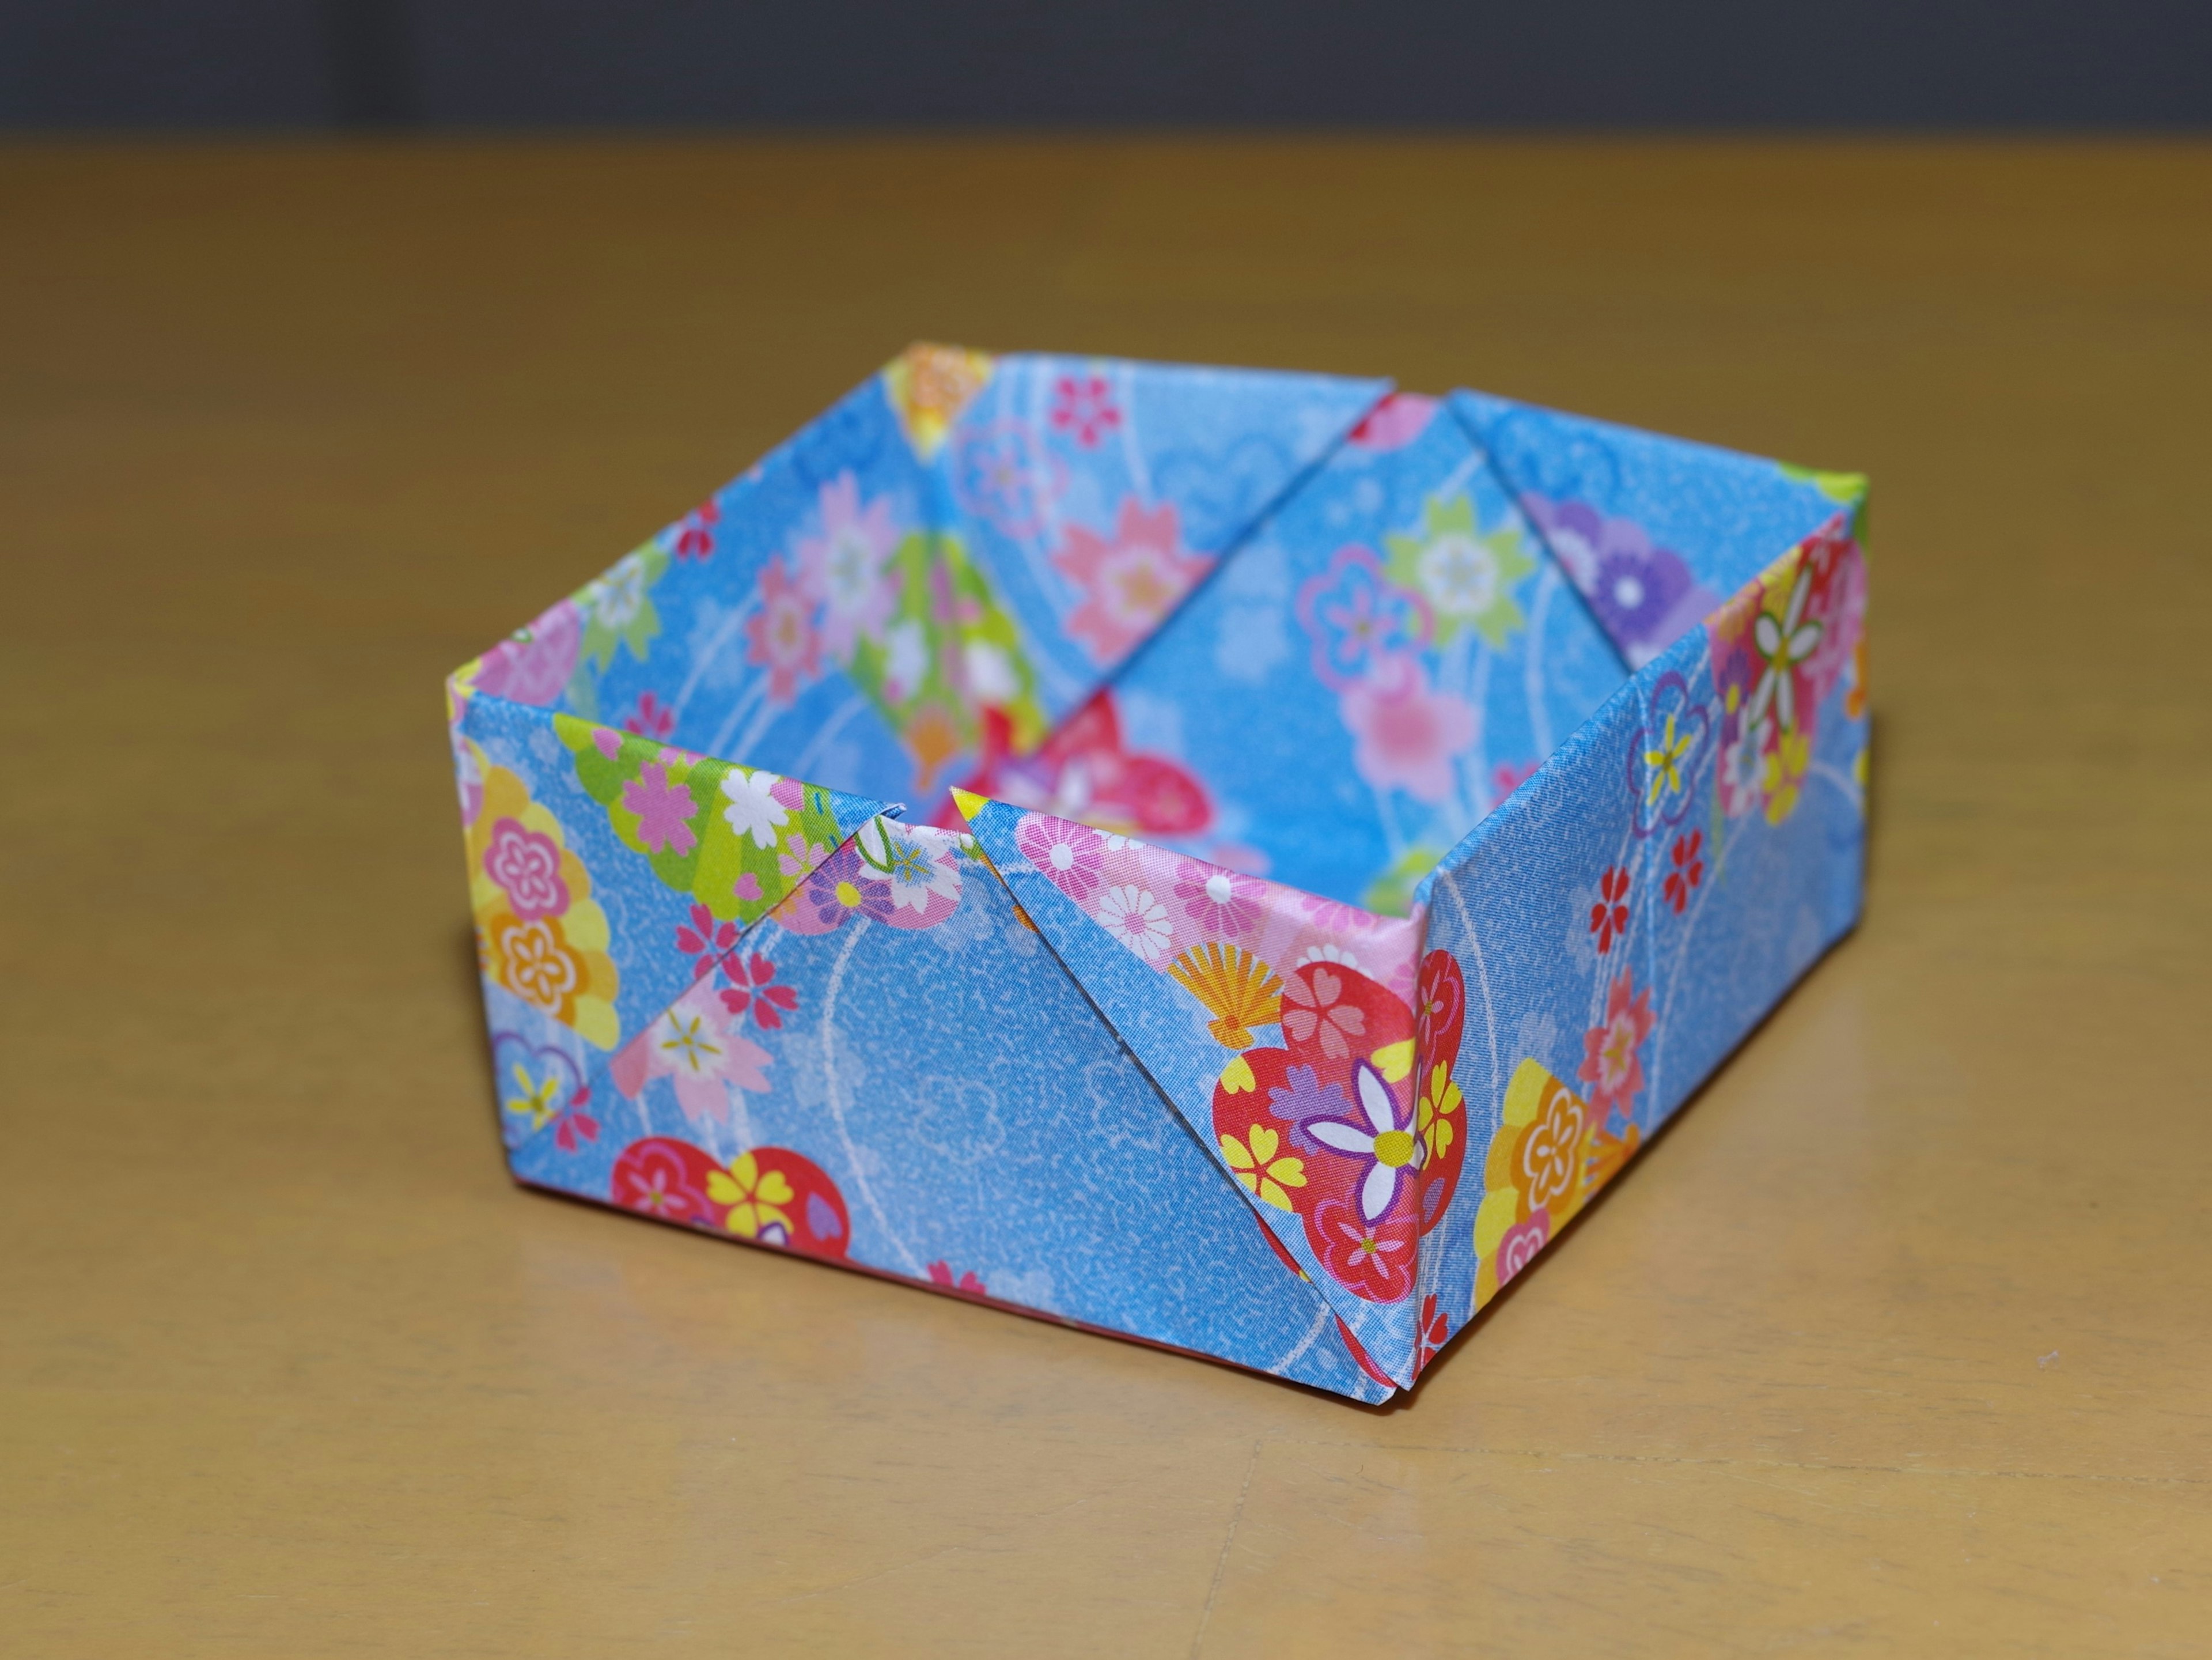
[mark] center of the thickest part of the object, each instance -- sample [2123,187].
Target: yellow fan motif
[1239,990]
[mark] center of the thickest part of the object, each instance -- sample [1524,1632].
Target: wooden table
[1899,1339]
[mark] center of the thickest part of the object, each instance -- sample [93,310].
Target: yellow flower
[536,1101]
[1259,1171]
[1432,1114]
[1785,772]
[1666,762]
[754,1199]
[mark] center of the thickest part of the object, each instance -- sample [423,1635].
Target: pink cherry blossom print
[1612,1065]
[696,1045]
[1608,918]
[1374,1260]
[1687,857]
[664,810]
[846,567]
[1408,736]
[666,1178]
[705,940]
[527,868]
[969,1284]
[1316,1012]
[780,636]
[752,991]
[1129,580]
[534,667]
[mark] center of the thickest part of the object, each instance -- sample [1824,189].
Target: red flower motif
[1311,1011]
[1082,407]
[666,1178]
[1609,916]
[651,719]
[1358,1352]
[706,942]
[1689,871]
[1441,1011]
[751,993]
[575,1125]
[1611,1064]
[1374,1260]
[1434,1332]
[968,1285]
[695,536]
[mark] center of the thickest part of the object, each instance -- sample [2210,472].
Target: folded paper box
[1232,860]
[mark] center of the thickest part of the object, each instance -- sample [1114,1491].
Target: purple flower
[842,884]
[1645,597]
[1302,1096]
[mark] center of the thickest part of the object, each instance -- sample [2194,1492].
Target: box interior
[1299,626]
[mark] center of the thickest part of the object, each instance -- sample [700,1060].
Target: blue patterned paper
[1375,815]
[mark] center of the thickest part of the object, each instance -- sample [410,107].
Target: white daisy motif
[1136,919]
[1783,646]
[753,810]
[1394,1151]
[918,862]
[1458,574]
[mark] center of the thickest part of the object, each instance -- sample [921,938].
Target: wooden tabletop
[1899,1339]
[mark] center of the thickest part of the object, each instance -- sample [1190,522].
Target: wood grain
[1898,1341]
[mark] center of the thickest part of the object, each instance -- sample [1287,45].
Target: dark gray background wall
[1929,64]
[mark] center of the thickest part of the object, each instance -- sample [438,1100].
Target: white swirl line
[837,1107]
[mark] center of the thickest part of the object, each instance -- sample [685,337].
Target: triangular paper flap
[982,1143]
[806,617]
[1319,1127]
[699,1037]
[1654,532]
[1364,679]
[556,809]
[1099,492]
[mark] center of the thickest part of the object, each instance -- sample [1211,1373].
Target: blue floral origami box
[1230,860]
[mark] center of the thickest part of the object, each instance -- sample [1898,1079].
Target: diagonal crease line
[598,1076]
[1175,1112]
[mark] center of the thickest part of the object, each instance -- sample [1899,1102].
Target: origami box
[1230,860]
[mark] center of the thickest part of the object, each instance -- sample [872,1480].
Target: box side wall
[1656,531]
[907,1082]
[1636,909]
